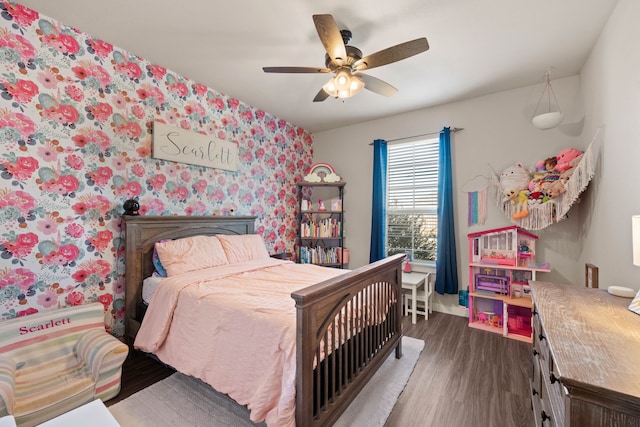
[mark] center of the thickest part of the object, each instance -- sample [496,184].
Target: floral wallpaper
[75,143]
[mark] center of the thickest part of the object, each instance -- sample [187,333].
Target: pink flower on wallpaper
[257,210]
[259,153]
[48,226]
[74,161]
[74,230]
[271,125]
[179,89]
[193,107]
[138,170]
[101,48]
[200,186]
[271,200]
[196,208]
[20,44]
[19,199]
[74,92]
[22,245]
[23,168]
[48,298]
[179,193]
[102,240]
[48,79]
[130,70]
[233,189]
[18,121]
[22,91]
[185,176]
[101,111]
[157,182]
[63,114]
[200,89]
[21,277]
[157,71]
[217,103]
[106,300]
[247,116]
[21,15]
[185,124]
[63,43]
[144,151]
[217,195]
[229,121]
[149,206]
[63,255]
[75,298]
[260,114]
[101,176]
[270,162]
[129,130]
[269,237]
[129,190]
[48,152]
[246,198]
[233,103]
[138,112]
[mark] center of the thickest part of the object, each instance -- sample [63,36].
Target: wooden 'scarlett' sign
[183,146]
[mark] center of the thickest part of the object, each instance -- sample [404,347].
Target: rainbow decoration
[321,172]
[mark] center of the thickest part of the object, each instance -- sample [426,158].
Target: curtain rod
[454,130]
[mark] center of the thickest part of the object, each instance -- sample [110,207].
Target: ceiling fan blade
[376,85]
[321,96]
[392,54]
[331,38]
[295,70]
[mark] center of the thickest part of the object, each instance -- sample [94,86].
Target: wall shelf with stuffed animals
[538,198]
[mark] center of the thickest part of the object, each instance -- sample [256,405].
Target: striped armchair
[57,360]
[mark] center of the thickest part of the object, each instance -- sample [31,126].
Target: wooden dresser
[586,358]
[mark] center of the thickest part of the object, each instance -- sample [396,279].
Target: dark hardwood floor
[464,377]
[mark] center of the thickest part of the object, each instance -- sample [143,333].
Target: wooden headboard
[141,234]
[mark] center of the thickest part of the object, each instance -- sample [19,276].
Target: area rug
[180,400]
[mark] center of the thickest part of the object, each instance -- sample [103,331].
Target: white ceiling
[476,47]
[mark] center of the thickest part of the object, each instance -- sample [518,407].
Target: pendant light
[547,119]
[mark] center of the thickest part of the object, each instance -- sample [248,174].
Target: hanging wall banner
[184,146]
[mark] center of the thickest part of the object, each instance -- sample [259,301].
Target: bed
[344,327]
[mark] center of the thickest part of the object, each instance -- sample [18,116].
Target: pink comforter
[234,327]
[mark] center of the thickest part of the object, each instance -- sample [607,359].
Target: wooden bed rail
[346,328]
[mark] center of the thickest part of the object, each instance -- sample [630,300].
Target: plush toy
[565,157]
[556,189]
[519,198]
[545,172]
[515,177]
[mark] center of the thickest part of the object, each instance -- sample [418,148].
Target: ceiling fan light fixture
[343,85]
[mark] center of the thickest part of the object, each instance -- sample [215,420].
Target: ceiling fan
[346,62]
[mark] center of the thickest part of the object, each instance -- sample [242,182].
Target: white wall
[497,132]
[611,89]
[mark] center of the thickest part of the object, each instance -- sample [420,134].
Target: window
[412,199]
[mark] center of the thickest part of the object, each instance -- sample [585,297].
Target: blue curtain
[446,263]
[378,248]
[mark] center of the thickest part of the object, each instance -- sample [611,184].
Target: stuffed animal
[519,198]
[565,157]
[545,172]
[556,189]
[515,177]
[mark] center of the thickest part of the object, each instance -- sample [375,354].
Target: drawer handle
[552,378]
[535,352]
[534,391]
[541,337]
[544,416]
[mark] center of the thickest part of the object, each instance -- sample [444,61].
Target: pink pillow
[190,254]
[243,247]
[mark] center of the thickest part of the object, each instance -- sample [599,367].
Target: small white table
[414,281]
[93,414]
